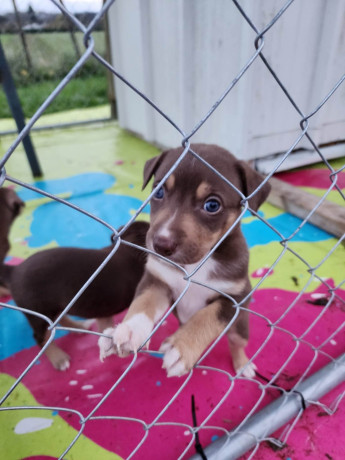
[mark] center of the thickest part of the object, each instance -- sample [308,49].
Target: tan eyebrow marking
[170,182]
[203,190]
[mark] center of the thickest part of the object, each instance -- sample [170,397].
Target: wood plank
[328,216]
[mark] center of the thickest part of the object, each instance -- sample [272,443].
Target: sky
[46,6]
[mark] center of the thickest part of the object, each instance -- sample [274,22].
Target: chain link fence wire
[258,424]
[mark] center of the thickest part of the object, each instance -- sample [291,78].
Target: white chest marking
[196,296]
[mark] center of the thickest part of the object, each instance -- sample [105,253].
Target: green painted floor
[65,152]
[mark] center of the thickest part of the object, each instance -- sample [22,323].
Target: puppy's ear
[151,167]
[250,181]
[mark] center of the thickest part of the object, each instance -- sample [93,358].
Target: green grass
[53,55]
[79,93]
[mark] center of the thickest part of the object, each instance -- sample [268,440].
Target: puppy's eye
[212,205]
[159,194]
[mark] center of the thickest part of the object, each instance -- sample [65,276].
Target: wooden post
[73,36]
[328,216]
[22,37]
[110,77]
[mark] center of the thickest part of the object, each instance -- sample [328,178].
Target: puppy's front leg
[151,300]
[183,349]
[58,358]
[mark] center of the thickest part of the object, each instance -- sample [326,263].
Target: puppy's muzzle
[165,246]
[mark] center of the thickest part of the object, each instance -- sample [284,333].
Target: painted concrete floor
[99,167]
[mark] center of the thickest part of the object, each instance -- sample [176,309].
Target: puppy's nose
[164,246]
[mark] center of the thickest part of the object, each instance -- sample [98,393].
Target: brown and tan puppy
[48,280]
[10,207]
[189,215]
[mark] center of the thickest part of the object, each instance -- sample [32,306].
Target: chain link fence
[290,401]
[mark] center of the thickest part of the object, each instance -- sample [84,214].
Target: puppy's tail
[5,275]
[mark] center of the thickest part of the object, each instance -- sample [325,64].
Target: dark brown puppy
[189,215]
[47,281]
[10,207]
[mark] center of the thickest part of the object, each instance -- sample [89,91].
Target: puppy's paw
[240,361]
[126,337]
[106,344]
[130,335]
[59,359]
[178,359]
[63,364]
[250,370]
[123,340]
[87,324]
[246,369]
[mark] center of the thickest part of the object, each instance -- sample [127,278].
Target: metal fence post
[17,112]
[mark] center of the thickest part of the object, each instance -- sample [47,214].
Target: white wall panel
[183,54]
